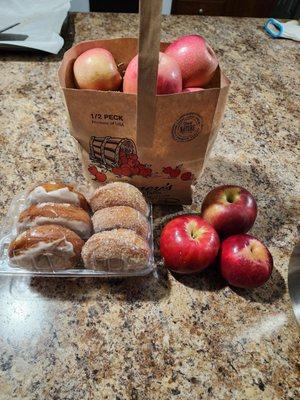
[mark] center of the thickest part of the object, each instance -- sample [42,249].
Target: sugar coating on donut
[121,217]
[119,194]
[117,249]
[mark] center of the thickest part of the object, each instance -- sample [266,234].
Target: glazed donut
[46,247]
[118,249]
[121,217]
[119,194]
[56,192]
[67,215]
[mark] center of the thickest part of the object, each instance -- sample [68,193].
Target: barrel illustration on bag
[117,155]
[107,151]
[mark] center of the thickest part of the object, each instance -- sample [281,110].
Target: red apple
[172,172]
[192,89]
[196,59]
[100,176]
[245,261]
[96,69]
[186,176]
[167,170]
[169,78]
[175,172]
[188,244]
[229,209]
[125,170]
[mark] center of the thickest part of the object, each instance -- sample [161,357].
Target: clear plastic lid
[53,258]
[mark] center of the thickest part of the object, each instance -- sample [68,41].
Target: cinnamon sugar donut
[67,215]
[121,217]
[56,192]
[46,247]
[119,194]
[118,249]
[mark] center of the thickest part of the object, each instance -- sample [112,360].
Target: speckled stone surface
[158,337]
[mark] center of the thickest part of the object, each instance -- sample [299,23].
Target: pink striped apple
[96,69]
[195,58]
[169,78]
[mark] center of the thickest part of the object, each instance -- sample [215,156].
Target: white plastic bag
[40,20]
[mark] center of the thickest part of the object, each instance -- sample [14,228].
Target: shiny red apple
[169,78]
[245,261]
[96,69]
[188,244]
[195,58]
[229,209]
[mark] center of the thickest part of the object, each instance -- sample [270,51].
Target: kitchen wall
[166,8]
[80,5]
[84,6]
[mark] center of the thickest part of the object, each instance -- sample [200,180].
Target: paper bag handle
[148,52]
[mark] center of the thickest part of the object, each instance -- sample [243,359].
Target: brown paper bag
[156,142]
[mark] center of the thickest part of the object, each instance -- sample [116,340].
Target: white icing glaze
[67,247]
[63,195]
[46,255]
[42,205]
[81,228]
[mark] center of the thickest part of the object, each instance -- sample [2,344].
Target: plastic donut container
[50,230]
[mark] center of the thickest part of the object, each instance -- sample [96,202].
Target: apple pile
[187,65]
[130,165]
[190,243]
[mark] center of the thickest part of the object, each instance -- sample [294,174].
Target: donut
[119,194]
[56,192]
[67,215]
[46,247]
[117,249]
[121,217]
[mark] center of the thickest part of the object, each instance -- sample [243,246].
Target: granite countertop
[158,337]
